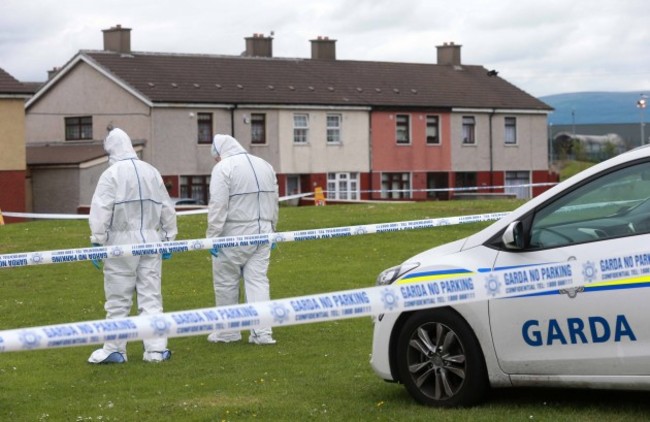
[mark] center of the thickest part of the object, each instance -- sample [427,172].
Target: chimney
[52,73]
[322,48]
[117,39]
[449,53]
[259,46]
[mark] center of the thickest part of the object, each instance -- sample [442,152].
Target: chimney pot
[322,48]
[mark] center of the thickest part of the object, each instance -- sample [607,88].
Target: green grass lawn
[571,168]
[315,372]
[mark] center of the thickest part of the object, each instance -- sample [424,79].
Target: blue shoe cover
[115,357]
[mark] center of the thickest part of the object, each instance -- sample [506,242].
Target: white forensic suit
[131,205]
[243,201]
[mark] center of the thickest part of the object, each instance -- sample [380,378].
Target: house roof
[11,86]
[218,79]
[73,153]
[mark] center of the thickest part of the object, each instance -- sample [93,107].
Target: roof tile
[209,79]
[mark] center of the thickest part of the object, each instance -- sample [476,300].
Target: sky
[543,47]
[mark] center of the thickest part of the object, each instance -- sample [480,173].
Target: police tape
[23,259]
[55,216]
[428,290]
[452,189]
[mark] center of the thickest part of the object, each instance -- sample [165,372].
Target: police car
[593,336]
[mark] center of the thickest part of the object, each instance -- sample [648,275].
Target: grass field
[315,372]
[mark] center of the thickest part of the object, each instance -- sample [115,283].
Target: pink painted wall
[388,156]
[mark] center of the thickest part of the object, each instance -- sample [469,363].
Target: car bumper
[380,357]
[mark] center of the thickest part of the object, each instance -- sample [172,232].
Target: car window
[613,205]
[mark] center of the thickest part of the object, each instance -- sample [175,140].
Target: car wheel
[439,360]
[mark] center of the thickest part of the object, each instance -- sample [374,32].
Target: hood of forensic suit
[118,146]
[225,145]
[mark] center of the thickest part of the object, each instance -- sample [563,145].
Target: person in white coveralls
[131,205]
[243,201]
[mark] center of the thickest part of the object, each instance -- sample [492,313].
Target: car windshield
[612,205]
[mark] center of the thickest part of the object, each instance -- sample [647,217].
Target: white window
[343,186]
[433,131]
[510,130]
[333,128]
[517,182]
[468,130]
[395,185]
[300,128]
[402,129]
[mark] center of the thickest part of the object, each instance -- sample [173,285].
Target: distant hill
[596,108]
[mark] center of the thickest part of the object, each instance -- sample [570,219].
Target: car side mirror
[513,236]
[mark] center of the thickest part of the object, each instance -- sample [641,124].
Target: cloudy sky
[543,47]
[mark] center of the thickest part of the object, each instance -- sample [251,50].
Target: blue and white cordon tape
[468,287]
[23,259]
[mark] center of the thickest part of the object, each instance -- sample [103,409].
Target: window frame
[510,130]
[389,179]
[195,186]
[469,130]
[343,186]
[333,131]
[466,179]
[258,121]
[436,140]
[202,122]
[82,127]
[301,133]
[403,128]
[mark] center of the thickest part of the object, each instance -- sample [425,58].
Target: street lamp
[640,104]
[550,142]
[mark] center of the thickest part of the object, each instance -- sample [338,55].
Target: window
[343,186]
[395,185]
[510,130]
[613,205]
[258,128]
[293,184]
[197,187]
[468,130]
[333,128]
[204,121]
[78,128]
[438,185]
[300,128]
[402,130]
[433,132]
[466,180]
[517,183]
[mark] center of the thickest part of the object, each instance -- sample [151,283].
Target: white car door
[601,328]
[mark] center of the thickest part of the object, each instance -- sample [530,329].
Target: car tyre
[439,360]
